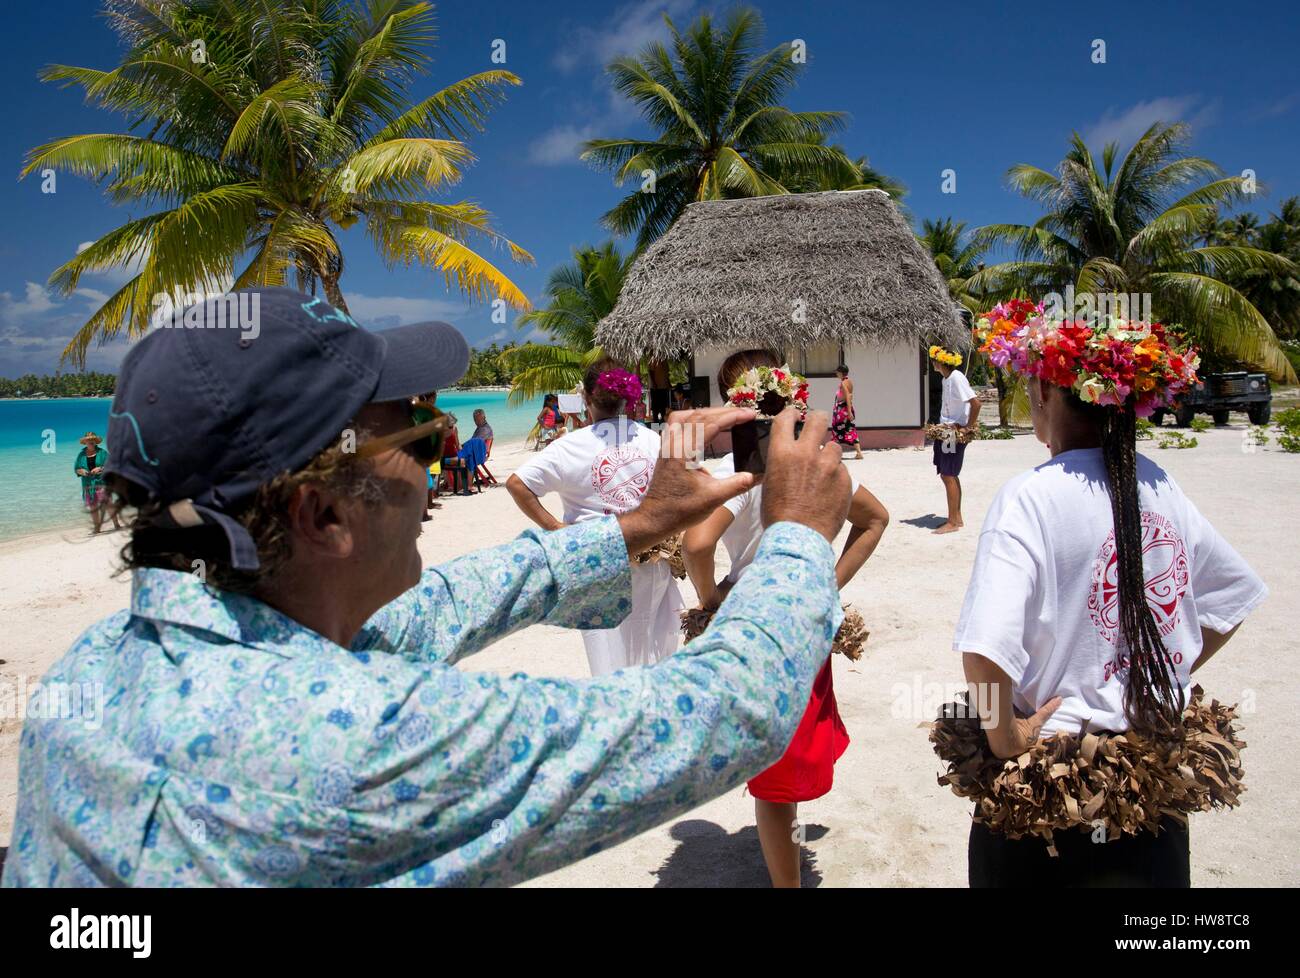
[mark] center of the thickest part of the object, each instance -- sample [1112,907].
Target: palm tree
[1133,228]
[581,293]
[958,257]
[1276,294]
[284,124]
[714,102]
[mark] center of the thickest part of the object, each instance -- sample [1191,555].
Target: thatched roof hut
[782,271]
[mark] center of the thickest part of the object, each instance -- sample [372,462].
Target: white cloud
[626,32]
[1281,106]
[382,311]
[560,145]
[36,300]
[35,329]
[1124,127]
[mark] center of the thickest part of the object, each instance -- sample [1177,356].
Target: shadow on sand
[927,522]
[706,856]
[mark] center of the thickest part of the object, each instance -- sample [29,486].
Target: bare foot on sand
[948,528]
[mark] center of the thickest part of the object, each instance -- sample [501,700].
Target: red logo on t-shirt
[620,476]
[1165,560]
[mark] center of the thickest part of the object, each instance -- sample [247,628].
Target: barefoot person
[597,471]
[295,715]
[959,410]
[806,770]
[89,465]
[843,416]
[1098,588]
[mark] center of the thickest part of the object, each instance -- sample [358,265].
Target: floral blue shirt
[238,747]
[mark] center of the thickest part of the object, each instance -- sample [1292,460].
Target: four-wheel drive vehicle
[1217,394]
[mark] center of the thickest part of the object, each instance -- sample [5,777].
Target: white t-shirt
[957,393]
[1042,602]
[600,470]
[742,536]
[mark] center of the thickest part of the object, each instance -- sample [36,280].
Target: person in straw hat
[1098,589]
[89,465]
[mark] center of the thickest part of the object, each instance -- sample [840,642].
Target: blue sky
[928,86]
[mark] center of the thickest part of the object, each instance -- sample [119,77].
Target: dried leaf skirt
[1119,782]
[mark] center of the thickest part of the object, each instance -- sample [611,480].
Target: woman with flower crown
[1098,589]
[750,378]
[598,470]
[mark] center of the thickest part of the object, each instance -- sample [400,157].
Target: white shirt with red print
[1042,601]
[600,470]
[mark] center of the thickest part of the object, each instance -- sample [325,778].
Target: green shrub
[1145,429]
[991,433]
[1201,424]
[1175,439]
[1257,435]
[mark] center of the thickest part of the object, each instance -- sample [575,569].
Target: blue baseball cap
[230,392]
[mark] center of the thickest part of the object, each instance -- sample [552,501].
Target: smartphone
[749,443]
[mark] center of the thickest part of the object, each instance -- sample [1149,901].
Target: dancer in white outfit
[596,471]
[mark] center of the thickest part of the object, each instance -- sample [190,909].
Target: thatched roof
[731,272]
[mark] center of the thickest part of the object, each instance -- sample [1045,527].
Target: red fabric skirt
[807,768]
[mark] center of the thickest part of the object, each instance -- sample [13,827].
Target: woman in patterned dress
[843,416]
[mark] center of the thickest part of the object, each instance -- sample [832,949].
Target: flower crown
[623,383]
[769,389]
[945,356]
[1111,362]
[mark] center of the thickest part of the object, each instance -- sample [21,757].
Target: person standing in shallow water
[959,410]
[89,465]
[843,416]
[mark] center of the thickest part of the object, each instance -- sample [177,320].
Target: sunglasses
[424,438]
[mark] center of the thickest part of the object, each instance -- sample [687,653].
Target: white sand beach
[886,823]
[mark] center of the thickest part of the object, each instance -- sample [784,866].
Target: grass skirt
[942,432]
[1121,781]
[850,640]
[669,550]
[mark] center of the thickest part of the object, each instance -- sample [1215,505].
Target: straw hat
[90,438]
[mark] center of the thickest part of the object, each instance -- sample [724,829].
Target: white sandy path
[886,822]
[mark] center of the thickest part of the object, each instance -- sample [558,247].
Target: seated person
[453,469]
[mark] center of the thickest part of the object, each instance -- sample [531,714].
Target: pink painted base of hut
[891,437]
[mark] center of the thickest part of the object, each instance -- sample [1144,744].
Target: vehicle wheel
[1183,416]
[1260,413]
[1220,418]
[1158,418]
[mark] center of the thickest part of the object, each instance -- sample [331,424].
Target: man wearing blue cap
[281,701]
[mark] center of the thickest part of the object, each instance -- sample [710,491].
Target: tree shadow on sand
[929,521]
[707,856]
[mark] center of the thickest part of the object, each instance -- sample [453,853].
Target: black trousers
[1145,860]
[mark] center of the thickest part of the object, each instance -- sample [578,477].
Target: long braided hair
[1152,699]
